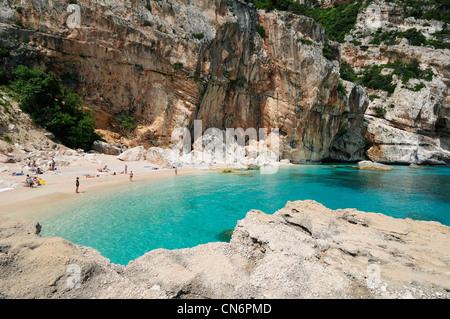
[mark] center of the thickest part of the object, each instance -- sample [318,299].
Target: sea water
[186,211]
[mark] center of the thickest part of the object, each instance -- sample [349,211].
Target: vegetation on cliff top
[339,18]
[336,20]
[426,9]
[55,107]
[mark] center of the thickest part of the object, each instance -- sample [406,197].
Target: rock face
[165,64]
[304,250]
[351,143]
[172,62]
[57,263]
[394,145]
[415,127]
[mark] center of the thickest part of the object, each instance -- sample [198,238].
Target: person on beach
[131,176]
[36,181]
[125,170]
[77,184]
[29,181]
[176,170]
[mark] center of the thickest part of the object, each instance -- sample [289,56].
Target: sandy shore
[25,202]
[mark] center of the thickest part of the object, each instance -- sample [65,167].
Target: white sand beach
[18,200]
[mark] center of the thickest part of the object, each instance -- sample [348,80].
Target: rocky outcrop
[351,143]
[371,166]
[414,120]
[171,62]
[135,154]
[304,250]
[394,145]
[35,267]
[105,148]
[6,159]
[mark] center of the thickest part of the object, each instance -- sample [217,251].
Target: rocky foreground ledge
[304,250]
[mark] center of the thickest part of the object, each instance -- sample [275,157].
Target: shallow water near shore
[186,211]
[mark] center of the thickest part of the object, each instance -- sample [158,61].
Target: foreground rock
[372,166]
[304,250]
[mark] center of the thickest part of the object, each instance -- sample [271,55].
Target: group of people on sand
[32,166]
[32,181]
[104,169]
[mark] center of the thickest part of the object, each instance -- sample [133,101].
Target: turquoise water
[186,211]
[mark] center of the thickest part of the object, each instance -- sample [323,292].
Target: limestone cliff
[412,123]
[164,64]
[167,63]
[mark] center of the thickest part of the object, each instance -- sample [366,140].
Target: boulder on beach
[135,154]
[162,157]
[373,166]
[6,159]
[105,148]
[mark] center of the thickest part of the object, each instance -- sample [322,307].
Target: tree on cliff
[54,107]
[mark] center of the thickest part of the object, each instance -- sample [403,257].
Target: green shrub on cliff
[4,52]
[380,112]
[54,107]
[427,9]
[126,121]
[409,70]
[373,78]
[261,31]
[415,37]
[347,72]
[327,52]
[337,20]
